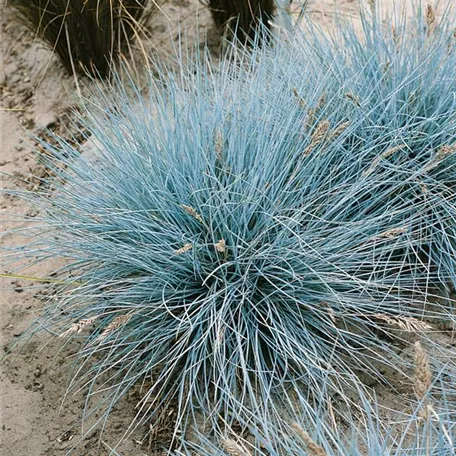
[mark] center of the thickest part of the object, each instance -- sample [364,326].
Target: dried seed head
[339,129]
[391,151]
[301,101]
[423,376]
[371,4]
[219,338]
[311,112]
[393,232]
[409,324]
[353,98]
[119,321]
[328,309]
[234,449]
[320,131]
[444,152]
[386,66]
[221,246]
[77,327]
[318,135]
[190,211]
[382,156]
[321,101]
[310,119]
[183,249]
[422,185]
[313,449]
[218,144]
[395,36]
[430,18]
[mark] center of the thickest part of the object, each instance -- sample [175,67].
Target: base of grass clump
[85,34]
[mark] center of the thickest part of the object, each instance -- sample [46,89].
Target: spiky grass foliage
[245,243]
[398,80]
[85,34]
[244,17]
[428,429]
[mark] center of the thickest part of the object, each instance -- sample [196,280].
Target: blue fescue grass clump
[397,76]
[247,240]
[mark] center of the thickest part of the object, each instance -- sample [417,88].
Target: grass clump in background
[243,16]
[85,34]
[251,243]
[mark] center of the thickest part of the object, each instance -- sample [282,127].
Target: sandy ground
[36,92]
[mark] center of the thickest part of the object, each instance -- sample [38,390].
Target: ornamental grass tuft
[248,242]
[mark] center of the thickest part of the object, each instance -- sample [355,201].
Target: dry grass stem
[391,151]
[386,66]
[77,327]
[119,321]
[310,119]
[318,136]
[190,211]
[423,186]
[313,449]
[183,249]
[221,246]
[234,449]
[409,324]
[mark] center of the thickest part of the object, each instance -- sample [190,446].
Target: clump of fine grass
[86,34]
[253,238]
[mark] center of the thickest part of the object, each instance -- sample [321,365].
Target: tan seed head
[312,447]
[234,448]
[221,246]
[423,376]
[190,211]
[430,18]
[77,327]
[183,249]
[353,98]
[115,324]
